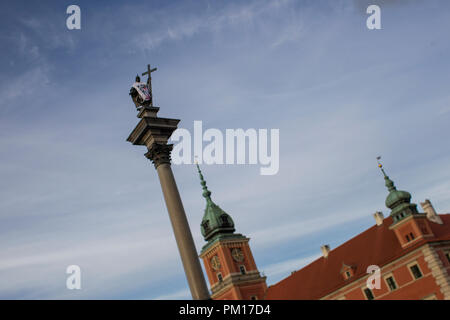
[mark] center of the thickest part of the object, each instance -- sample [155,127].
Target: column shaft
[183,236]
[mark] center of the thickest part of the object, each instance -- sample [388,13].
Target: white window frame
[412,264]
[364,293]
[390,275]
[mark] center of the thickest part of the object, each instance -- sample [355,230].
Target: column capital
[154,133]
[159,153]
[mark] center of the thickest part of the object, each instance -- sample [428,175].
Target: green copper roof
[215,222]
[395,196]
[397,200]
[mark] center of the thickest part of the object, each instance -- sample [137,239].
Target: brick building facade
[409,249]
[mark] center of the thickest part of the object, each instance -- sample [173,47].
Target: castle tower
[227,257]
[408,224]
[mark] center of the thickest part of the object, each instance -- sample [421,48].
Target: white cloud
[24,86]
[243,16]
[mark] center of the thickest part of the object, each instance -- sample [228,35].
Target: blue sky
[73,191]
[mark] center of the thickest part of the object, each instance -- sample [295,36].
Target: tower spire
[206,192]
[228,260]
[389,183]
[215,222]
[397,200]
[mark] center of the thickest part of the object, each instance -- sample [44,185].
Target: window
[416,271]
[219,276]
[369,294]
[206,225]
[391,283]
[224,219]
[254,298]
[410,237]
[242,268]
[347,271]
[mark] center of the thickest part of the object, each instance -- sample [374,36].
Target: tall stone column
[154,132]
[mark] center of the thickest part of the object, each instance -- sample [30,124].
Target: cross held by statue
[149,72]
[149,81]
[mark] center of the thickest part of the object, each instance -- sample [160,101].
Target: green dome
[398,201]
[215,221]
[396,197]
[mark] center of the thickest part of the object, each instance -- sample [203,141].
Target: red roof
[376,246]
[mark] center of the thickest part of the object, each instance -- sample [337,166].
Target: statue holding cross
[140,92]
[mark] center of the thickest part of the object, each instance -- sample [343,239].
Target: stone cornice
[151,130]
[236,279]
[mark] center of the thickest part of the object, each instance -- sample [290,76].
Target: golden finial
[379,164]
